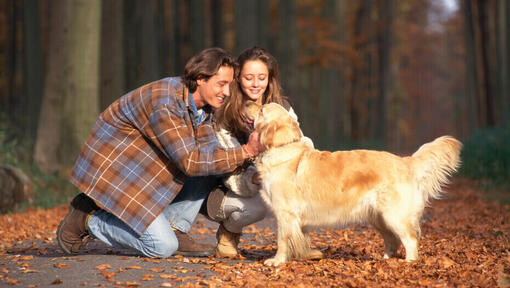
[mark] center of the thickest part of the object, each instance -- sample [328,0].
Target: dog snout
[251,110]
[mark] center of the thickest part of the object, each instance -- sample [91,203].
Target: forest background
[381,74]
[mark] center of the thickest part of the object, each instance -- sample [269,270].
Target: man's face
[215,89]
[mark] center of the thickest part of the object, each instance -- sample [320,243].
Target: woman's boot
[227,243]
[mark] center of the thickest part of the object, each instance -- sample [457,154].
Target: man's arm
[194,154]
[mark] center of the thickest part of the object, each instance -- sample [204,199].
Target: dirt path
[465,242]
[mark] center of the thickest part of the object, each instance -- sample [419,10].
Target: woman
[238,203]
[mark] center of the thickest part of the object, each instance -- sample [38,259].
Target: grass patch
[486,159]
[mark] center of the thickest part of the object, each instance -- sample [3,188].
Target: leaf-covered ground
[465,243]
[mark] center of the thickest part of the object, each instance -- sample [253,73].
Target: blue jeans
[159,239]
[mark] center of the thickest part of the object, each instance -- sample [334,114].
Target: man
[144,168]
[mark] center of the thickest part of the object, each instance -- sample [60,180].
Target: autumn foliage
[465,243]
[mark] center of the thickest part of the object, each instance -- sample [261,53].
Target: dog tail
[433,163]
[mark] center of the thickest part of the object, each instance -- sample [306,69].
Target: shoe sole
[59,231]
[195,253]
[215,205]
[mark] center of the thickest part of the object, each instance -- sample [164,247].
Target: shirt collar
[197,114]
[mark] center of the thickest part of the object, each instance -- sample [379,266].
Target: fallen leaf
[132,284]
[132,267]
[103,266]
[30,271]
[168,276]
[108,275]
[446,262]
[12,281]
[157,270]
[182,271]
[147,277]
[61,266]
[56,281]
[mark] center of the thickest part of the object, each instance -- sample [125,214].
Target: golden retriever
[308,188]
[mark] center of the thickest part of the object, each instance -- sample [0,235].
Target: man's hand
[253,147]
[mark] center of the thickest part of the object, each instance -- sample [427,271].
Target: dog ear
[267,133]
[276,134]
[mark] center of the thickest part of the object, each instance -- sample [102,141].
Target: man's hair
[206,64]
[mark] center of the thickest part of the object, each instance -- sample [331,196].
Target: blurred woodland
[385,74]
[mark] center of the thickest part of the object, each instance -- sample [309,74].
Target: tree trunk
[47,146]
[148,52]
[384,35]
[218,28]
[288,48]
[471,59]
[246,24]
[17,102]
[81,105]
[504,25]
[112,52]
[342,124]
[70,107]
[361,65]
[33,68]
[181,35]
[6,53]
[196,16]
[141,48]
[167,37]
[263,22]
[480,64]
[482,22]
[329,87]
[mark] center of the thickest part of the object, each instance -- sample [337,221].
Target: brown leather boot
[72,231]
[227,243]
[188,246]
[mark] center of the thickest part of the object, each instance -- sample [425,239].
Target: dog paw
[315,254]
[273,262]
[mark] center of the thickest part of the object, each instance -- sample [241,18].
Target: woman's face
[254,79]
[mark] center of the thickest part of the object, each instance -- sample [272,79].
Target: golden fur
[310,188]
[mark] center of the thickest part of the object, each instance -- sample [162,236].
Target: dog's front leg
[282,252]
[291,240]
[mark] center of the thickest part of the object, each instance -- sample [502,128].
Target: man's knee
[159,240]
[163,248]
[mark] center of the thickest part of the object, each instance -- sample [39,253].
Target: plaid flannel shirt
[141,150]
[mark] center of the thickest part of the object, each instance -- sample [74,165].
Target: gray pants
[242,211]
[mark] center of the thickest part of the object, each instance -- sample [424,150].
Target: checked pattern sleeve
[196,153]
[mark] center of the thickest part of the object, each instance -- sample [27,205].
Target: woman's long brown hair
[230,116]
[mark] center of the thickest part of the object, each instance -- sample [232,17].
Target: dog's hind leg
[291,240]
[313,254]
[406,231]
[391,242]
